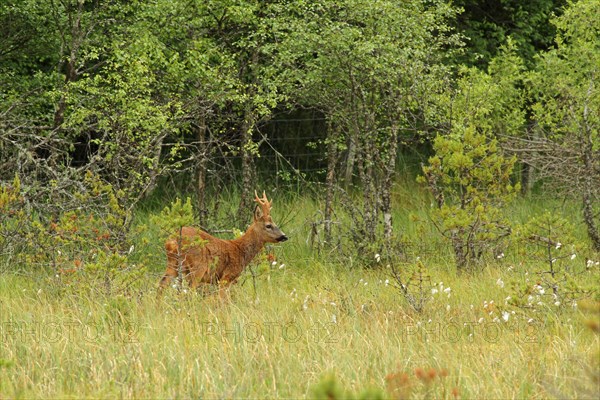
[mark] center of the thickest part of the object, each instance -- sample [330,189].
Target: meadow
[304,323]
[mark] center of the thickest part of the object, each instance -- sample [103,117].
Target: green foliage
[13,214]
[469,176]
[566,108]
[173,217]
[328,388]
[470,180]
[488,24]
[414,283]
[370,68]
[86,248]
[171,221]
[556,280]
[564,84]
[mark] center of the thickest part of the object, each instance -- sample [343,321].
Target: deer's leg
[224,294]
[196,277]
[225,285]
[170,273]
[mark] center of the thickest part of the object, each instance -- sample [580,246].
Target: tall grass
[286,327]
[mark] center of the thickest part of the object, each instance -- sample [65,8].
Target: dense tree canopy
[133,90]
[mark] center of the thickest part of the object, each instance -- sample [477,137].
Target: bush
[85,247]
[470,180]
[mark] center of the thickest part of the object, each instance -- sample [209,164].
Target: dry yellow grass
[346,322]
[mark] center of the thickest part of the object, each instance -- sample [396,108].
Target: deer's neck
[249,245]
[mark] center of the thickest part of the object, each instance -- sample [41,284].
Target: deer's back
[210,255]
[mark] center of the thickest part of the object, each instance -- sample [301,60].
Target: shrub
[554,278]
[470,180]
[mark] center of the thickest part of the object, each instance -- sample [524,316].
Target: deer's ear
[258,214]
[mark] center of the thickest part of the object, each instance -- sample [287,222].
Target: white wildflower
[378,257]
[480,320]
[499,256]
[557,303]
[558,245]
[334,319]
[274,263]
[387,282]
[500,282]
[573,256]
[434,291]
[448,307]
[282,266]
[447,290]
[529,298]
[540,289]
[505,315]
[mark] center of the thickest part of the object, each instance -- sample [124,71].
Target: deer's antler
[265,204]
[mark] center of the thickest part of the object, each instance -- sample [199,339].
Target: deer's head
[265,227]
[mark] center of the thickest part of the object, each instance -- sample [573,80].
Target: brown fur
[207,259]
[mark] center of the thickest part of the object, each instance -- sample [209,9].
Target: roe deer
[207,259]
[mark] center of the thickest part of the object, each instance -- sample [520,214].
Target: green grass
[320,314]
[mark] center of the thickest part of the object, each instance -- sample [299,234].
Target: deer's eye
[268,226]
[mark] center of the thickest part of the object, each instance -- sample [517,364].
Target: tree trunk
[201,173]
[330,181]
[526,181]
[77,37]
[459,251]
[247,166]
[386,197]
[350,158]
[589,181]
[370,192]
